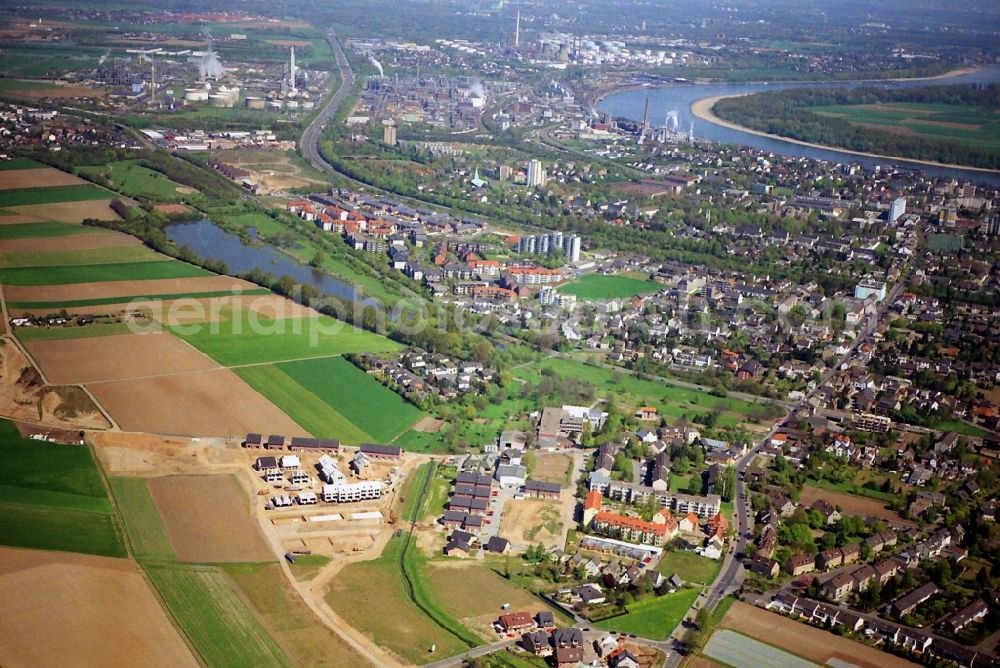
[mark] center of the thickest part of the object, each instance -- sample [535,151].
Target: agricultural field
[53,195]
[689,566]
[63,609]
[601,287]
[91,273]
[43,229]
[245,340]
[87,256]
[25,334]
[354,394]
[292,624]
[672,401]
[124,291]
[89,239]
[740,651]
[135,180]
[107,301]
[654,617]
[852,504]
[814,644]
[227,534]
[964,124]
[52,498]
[146,532]
[370,596]
[218,623]
[19,179]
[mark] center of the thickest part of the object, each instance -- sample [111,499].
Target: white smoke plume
[377,65]
[477,89]
[210,67]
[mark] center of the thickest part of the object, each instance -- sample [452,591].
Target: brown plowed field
[851,504]
[124,289]
[806,641]
[11,218]
[104,358]
[62,609]
[204,403]
[70,212]
[208,519]
[42,177]
[71,242]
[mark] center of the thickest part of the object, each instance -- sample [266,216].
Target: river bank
[703,109]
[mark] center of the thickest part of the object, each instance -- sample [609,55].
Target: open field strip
[53,195]
[105,301]
[249,339]
[124,291]
[146,532]
[87,256]
[88,238]
[91,273]
[354,394]
[39,230]
[16,179]
[740,651]
[135,180]
[216,621]
[314,414]
[64,333]
[51,497]
[69,212]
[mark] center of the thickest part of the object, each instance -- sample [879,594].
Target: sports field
[672,401]
[92,273]
[253,339]
[964,124]
[213,616]
[654,617]
[54,195]
[52,498]
[601,287]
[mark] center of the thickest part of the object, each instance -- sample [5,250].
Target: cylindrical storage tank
[196,95]
[255,103]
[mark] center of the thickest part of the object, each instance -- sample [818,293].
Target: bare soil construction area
[208,519]
[205,403]
[24,396]
[532,521]
[70,212]
[106,358]
[852,504]
[806,641]
[103,239]
[148,455]
[125,289]
[64,609]
[46,177]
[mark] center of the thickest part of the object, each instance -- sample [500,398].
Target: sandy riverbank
[703,109]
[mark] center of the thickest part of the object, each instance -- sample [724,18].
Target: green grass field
[671,400]
[47,229]
[654,617]
[64,333]
[689,566]
[135,180]
[125,300]
[600,287]
[88,273]
[52,498]
[146,532]
[244,341]
[19,163]
[355,395]
[315,415]
[961,123]
[214,617]
[53,195]
[116,254]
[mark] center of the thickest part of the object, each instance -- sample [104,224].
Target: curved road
[309,144]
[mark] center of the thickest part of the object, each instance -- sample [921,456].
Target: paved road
[309,143]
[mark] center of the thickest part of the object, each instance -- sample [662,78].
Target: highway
[309,143]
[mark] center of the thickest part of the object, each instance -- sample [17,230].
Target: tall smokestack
[645,116]
[517,30]
[291,71]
